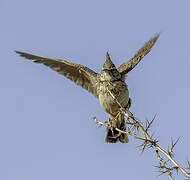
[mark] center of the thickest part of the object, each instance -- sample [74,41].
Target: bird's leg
[111,126]
[119,121]
[114,124]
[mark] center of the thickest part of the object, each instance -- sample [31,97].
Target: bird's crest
[108,63]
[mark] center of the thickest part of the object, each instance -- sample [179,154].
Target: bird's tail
[113,136]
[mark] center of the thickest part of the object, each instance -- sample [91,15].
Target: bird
[109,86]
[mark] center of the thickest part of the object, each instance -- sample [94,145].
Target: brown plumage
[111,79]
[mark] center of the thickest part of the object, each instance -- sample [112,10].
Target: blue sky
[46,126]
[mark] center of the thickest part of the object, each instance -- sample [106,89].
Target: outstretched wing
[79,74]
[129,65]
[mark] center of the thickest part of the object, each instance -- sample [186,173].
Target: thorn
[188,163]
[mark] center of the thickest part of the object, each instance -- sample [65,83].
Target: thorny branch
[163,168]
[148,141]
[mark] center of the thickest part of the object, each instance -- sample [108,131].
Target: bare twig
[163,168]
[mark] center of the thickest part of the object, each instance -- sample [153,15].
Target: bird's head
[109,71]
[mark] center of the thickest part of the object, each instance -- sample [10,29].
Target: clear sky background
[46,126]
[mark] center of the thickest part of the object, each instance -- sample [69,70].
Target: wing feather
[79,74]
[129,65]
